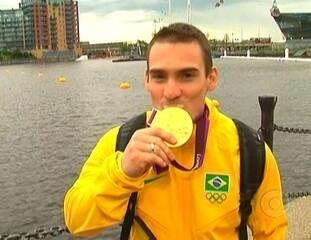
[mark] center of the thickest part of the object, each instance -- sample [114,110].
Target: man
[176,203]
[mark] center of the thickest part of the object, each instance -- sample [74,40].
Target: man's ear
[212,79]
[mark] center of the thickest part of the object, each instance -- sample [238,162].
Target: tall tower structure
[35,23]
[72,25]
[51,24]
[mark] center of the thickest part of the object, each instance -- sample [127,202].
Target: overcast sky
[129,20]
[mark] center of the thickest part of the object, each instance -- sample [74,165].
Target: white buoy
[248,53]
[286,53]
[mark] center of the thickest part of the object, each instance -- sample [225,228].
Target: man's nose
[172,90]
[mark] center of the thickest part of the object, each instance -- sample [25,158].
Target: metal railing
[39,233]
[267,105]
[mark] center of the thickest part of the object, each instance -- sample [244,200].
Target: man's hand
[146,148]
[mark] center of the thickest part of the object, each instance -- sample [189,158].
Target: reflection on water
[52,115]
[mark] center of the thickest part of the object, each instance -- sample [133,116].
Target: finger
[165,136]
[152,159]
[154,135]
[138,158]
[156,148]
[152,148]
[162,149]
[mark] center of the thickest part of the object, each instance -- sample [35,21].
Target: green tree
[226,40]
[124,47]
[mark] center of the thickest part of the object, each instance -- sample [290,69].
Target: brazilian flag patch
[216,183]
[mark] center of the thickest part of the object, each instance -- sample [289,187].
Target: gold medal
[175,121]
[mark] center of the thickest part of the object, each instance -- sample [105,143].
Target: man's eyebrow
[156,70]
[190,69]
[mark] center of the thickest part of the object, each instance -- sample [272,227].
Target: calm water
[47,128]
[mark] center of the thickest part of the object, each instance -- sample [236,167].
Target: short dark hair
[184,33]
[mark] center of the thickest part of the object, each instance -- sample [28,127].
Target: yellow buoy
[125,85]
[62,79]
[40,74]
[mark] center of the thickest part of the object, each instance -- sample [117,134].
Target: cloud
[117,26]
[116,18]
[133,16]
[238,18]
[103,7]
[294,6]
[8,4]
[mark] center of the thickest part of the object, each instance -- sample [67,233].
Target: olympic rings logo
[216,197]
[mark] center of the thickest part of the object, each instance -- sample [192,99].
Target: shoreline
[280,59]
[32,61]
[40,61]
[116,59]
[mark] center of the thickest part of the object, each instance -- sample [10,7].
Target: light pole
[155,26]
[169,11]
[232,46]
[189,11]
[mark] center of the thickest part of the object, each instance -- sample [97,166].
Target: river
[49,127]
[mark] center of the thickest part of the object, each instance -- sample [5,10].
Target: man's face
[177,77]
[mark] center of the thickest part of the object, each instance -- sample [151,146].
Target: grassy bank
[8,56]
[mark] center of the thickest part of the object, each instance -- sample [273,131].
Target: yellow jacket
[177,204]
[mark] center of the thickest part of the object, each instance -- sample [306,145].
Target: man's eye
[158,77]
[188,76]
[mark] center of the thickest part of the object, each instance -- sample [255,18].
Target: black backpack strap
[127,130]
[145,228]
[124,135]
[129,217]
[252,164]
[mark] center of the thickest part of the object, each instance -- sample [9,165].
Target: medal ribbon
[201,133]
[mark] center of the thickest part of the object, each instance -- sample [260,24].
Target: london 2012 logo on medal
[216,187]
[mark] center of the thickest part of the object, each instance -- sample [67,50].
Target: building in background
[102,50]
[72,25]
[296,29]
[126,50]
[12,29]
[48,28]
